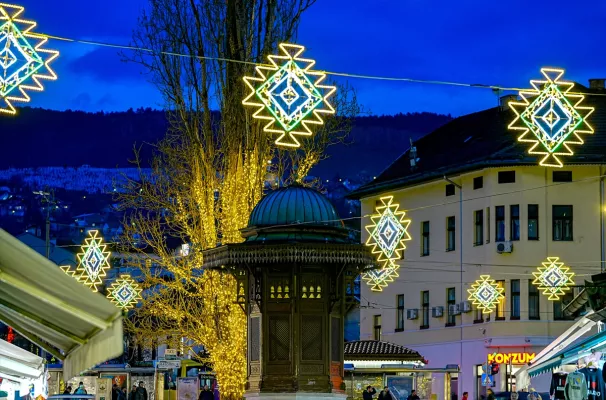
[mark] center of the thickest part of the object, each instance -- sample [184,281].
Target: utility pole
[48,198]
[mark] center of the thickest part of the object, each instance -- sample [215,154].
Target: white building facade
[475,214]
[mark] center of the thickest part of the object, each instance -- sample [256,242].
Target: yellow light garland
[93,261]
[553,278]
[485,294]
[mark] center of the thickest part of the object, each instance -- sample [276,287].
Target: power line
[333,73]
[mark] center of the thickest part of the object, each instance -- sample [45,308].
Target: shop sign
[511,358]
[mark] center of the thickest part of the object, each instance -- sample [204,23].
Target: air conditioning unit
[504,247]
[412,314]
[465,306]
[437,312]
[454,309]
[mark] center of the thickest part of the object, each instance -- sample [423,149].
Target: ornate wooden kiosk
[295,273]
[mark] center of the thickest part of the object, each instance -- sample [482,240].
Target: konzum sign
[511,358]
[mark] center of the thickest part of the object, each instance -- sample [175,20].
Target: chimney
[504,101]
[597,84]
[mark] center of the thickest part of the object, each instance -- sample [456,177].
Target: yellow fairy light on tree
[553,278]
[485,294]
[125,292]
[289,95]
[387,234]
[93,261]
[23,61]
[550,117]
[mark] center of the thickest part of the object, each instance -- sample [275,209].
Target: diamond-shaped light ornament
[550,117]
[553,278]
[23,61]
[289,95]
[485,294]
[93,261]
[386,235]
[125,292]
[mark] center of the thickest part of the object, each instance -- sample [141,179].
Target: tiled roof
[379,350]
[481,140]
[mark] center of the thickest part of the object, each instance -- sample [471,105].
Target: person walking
[413,395]
[81,389]
[122,395]
[465,396]
[368,393]
[385,394]
[133,391]
[141,393]
[490,394]
[115,393]
[68,390]
[206,394]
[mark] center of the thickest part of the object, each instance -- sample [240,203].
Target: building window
[514,226]
[499,223]
[451,301]
[425,235]
[515,299]
[478,182]
[558,307]
[533,301]
[500,312]
[478,315]
[562,176]
[450,189]
[479,228]
[562,223]
[425,308]
[533,222]
[450,233]
[377,327]
[507,177]
[487,224]
[400,313]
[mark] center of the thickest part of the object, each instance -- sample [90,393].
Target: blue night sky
[488,42]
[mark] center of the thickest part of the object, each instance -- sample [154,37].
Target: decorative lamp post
[295,276]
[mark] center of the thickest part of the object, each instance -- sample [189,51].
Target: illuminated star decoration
[553,278]
[124,292]
[23,61]
[485,294]
[69,271]
[387,234]
[551,118]
[93,261]
[289,95]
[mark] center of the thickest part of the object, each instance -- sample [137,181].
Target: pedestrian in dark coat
[133,391]
[141,393]
[368,393]
[206,394]
[385,394]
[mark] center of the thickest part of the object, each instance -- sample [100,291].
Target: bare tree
[210,169]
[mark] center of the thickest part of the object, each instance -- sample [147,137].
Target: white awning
[19,363]
[53,310]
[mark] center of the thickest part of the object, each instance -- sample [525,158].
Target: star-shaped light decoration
[551,118]
[553,278]
[379,278]
[485,294]
[125,292]
[23,61]
[386,235]
[93,261]
[69,271]
[289,95]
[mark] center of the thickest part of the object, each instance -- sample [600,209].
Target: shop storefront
[54,311]
[578,350]
[21,372]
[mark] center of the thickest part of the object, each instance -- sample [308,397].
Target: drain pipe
[602,223]
[460,187]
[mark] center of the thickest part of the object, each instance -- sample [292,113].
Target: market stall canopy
[571,354]
[53,310]
[19,363]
